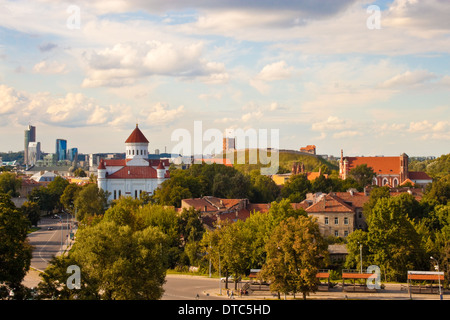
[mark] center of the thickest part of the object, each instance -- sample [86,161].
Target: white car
[230,279]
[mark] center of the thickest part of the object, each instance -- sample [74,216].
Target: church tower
[136,146]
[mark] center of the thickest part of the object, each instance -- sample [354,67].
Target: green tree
[116,263]
[69,195]
[15,250]
[10,184]
[263,188]
[363,175]
[43,197]
[56,189]
[295,252]
[439,190]
[79,172]
[90,201]
[296,188]
[32,212]
[392,239]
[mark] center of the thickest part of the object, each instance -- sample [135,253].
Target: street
[48,240]
[181,287]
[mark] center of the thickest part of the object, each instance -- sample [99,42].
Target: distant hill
[286,160]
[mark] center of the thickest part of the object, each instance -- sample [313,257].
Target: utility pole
[360,256]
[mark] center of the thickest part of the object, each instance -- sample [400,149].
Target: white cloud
[271,72]
[161,114]
[71,110]
[11,101]
[50,67]
[124,63]
[331,123]
[251,116]
[409,78]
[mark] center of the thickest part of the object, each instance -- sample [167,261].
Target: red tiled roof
[357,199]
[115,162]
[101,165]
[380,165]
[136,136]
[199,204]
[418,175]
[258,207]
[329,204]
[134,173]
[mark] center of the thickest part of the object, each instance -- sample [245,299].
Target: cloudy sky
[337,74]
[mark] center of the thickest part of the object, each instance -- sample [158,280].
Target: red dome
[136,136]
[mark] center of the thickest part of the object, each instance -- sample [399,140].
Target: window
[120,193]
[326,220]
[336,233]
[336,220]
[345,233]
[135,194]
[345,220]
[115,195]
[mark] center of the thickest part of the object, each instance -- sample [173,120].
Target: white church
[134,174]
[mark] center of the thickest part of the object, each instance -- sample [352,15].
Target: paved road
[179,287]
[47,243]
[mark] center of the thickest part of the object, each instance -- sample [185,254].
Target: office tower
[73,154]
[61,149]
[30,136]
[34,152]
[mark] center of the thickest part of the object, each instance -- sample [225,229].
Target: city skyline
[369,77]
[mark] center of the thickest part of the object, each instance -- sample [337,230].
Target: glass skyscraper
[30,136]
[73,154]
[61,149]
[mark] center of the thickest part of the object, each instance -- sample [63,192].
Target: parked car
[50,228]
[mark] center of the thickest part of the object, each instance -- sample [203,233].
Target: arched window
[385,181]
[395,182]
[375,181]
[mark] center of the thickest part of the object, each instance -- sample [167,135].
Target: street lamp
[439,276]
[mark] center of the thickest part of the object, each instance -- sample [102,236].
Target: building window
[395,182]
[115,195]
[336,220]
[345,233]
[135,194]
[326,220]
[336,233]
[345,220]
[120,193]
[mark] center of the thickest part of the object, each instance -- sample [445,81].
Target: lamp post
[439,276]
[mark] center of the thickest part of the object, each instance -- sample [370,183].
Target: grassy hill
[286,161]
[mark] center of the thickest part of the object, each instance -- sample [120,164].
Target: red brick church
[390,171]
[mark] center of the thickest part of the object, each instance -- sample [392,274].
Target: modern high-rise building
[30,136]
[61,149]
[34,152]
[72,154]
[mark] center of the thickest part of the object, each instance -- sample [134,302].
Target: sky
[368,77]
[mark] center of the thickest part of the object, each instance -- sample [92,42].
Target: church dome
[136,136]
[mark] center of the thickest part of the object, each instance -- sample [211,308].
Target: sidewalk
[390,292]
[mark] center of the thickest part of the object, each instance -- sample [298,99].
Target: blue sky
[314,70]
